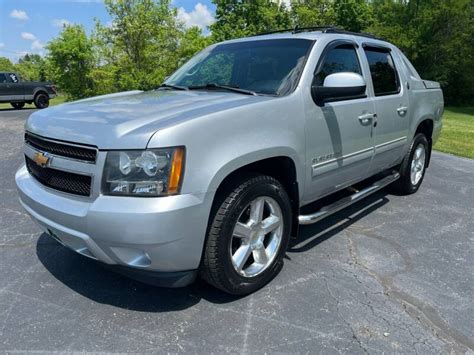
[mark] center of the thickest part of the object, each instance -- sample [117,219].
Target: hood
[128,120]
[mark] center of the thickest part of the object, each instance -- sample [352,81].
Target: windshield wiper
[176,87]
[225,87]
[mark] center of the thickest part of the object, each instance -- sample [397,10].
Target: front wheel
[248,236]
[17,105]
[413,167]
[41,101]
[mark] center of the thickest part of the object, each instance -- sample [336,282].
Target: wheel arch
[281,167]
[38,91]
[426,126]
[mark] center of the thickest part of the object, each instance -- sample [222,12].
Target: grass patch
[457,136]
[56,101]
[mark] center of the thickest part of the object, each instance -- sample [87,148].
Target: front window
[342,58]
[269,67]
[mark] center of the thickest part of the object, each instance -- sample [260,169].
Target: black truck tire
[41,100]
[218,265]
[17,105]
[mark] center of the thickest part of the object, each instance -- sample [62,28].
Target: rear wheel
[41,100]
[248,236]
[413,167]
[17,105]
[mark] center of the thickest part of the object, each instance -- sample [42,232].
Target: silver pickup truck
[212,173]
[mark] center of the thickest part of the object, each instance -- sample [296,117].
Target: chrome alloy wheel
[257,237]
[417,164]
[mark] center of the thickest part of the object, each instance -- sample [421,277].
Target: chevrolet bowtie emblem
[42,159]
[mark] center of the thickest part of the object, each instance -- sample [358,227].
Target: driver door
[339,133]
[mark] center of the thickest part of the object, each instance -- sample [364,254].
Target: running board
[347,201]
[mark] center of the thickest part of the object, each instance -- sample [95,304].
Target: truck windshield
[268,67]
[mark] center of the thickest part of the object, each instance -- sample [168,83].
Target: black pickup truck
[18,93]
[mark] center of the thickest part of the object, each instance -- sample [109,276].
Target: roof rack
[322,29]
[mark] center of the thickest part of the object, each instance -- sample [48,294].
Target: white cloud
[19,15]
[200,16]
[28,36]
[37,45]
[62,22]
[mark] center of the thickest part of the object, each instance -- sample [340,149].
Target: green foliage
[71,62]
[6,64]
[32,67]
[191,42]
[437,36]
[240,18]
[308,13]
[141,44]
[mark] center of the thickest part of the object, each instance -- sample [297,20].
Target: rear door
[339,134]
[391,105]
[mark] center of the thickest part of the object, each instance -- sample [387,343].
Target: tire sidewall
[419,139]
[233,280]
[38,103]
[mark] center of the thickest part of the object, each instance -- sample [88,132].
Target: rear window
[383,72]
[3,78]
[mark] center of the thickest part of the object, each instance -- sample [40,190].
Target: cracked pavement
[389,274]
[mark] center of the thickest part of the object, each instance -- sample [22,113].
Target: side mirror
[339,86]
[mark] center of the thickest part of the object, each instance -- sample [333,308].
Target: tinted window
[339,59]
[266,66]
[382,69]
[3,78]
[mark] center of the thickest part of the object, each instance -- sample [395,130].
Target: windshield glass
[270,67]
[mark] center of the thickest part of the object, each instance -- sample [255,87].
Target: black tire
[217,267]
[41,100]
[405,185]
[17,105]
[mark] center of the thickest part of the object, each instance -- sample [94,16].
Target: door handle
[366,118]
[402,111]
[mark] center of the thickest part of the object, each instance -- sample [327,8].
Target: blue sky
[27,25]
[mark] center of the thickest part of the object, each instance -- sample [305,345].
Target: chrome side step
[347,201]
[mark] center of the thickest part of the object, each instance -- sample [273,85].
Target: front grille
[60,180]
[61,149]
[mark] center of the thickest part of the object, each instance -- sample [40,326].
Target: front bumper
[164,234]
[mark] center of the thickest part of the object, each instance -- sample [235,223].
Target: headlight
[152,172]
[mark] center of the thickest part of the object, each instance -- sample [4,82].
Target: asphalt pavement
[389,274]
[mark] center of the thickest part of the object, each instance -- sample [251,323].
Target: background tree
[141,45]
[71,61]
[240,18]
[6,64]
[308,13]
[32,67]
[437,35]
[191,41]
